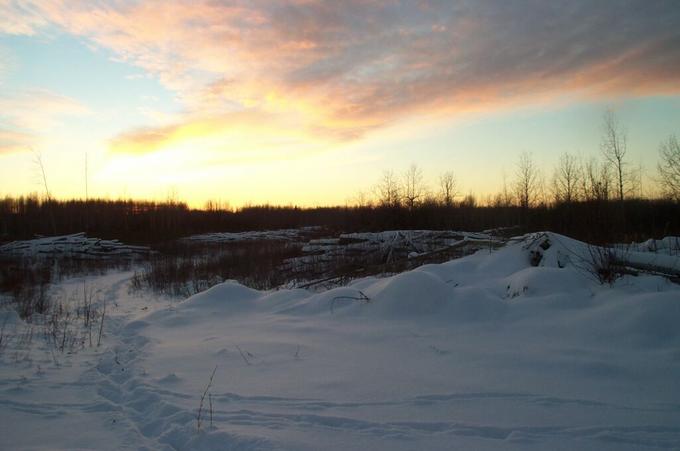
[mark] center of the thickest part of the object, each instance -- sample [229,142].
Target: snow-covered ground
[482,352]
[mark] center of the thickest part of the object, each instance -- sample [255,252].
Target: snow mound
[410,294]
[543,281]
[226,296]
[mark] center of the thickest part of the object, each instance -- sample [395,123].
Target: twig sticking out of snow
[211,409]
[245,359]
[199,416]
[362,297]
[101,325]
[3,337]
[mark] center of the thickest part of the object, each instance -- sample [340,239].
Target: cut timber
[76,245]
[650,262]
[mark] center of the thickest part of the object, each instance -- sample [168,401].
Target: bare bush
[603,264]
[65,323]
[27,281]
[186,269]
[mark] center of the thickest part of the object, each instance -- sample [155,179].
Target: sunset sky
[307,102]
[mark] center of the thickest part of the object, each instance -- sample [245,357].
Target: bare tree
[542,196]
[596,181]
[387,190]
[566,179]
[669,167]
[469,201]
[86,184]
[361,199]
[414,189]
[527,181]
[496,200]
[38,161]
[614,147]
[637,175]
[504,198]
[447,188]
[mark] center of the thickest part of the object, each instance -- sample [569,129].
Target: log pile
[76,245]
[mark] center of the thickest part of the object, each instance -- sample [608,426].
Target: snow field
[483,352]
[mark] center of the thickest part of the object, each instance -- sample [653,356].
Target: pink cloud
[28,114]
[12,142]
[346,67]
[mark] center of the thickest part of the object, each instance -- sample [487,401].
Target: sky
[308,102]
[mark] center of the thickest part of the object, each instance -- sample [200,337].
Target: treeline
[155,222]
[598,200]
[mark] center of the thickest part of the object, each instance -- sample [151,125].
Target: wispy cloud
[340,69]
[29,114]
[20,18]
[11,142]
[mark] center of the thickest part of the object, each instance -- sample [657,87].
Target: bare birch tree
[527,181]
[387,190]
[414,188]
[38,161]
[596,181]
[566,179]
[614,147]
[447,188]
